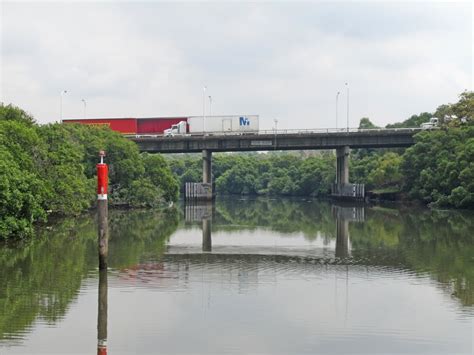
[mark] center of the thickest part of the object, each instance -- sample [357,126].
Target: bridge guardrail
[290,131]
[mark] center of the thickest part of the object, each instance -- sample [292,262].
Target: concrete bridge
[340,139]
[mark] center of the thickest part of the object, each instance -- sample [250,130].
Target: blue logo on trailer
[244,121]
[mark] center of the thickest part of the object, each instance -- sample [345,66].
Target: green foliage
[365,123]
[13,113]
[439,168]
[51,168]
[69,188]
[262,174]
[159,173]
[413,122]
[464,108]
[22,195]
[143,193]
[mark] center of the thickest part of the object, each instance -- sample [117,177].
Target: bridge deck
[279,140]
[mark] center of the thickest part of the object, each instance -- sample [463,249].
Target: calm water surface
[245,276]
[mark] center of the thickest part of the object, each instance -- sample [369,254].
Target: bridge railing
[337,130]
[291,131]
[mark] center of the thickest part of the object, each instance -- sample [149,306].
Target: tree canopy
[52,169]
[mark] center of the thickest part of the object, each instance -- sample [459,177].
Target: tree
[22,196]
[159,173]
[365,123]
[413,121]
[13,113]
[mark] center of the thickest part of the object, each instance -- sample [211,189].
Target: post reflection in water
[206,235]
[202,212]
[342,238]
[102,314]
[344,215]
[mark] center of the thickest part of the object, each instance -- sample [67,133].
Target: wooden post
[102,212]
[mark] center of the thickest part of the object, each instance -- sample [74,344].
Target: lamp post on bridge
[210,105]
[347,87]
[61,105]
[203,106]
[84,101]
[337,104]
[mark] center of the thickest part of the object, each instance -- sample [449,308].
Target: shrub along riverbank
[50,169]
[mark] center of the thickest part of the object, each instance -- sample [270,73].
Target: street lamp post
[210,105]
[337,104]
[84,101]
[61,105]
[203,106]
[347,87]
[276,127]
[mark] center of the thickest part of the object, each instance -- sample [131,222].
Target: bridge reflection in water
[343,214]
[195,266]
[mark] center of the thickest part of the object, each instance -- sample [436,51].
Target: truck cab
[433,122]
[176,129]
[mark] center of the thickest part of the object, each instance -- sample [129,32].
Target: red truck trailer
[157,125]
[122,125]
[143,126]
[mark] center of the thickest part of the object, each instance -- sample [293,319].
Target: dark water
[245,276]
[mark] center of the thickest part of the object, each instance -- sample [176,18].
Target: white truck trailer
[199,125]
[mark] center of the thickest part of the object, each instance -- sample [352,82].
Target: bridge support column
[342,166]
[207,166]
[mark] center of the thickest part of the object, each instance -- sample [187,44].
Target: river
[245,276]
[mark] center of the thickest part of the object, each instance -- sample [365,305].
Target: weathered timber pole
[102,211]
[102,314]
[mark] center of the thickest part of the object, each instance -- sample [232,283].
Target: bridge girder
[267,142]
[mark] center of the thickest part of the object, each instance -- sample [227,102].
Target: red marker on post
[102,178]
[102,211]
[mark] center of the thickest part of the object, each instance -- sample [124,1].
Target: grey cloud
[284,60]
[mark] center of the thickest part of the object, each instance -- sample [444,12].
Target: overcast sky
[281,60]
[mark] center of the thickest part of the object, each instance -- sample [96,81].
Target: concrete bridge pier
[342,166]
[342,188]
[207,166]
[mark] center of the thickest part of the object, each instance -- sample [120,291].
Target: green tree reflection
[41,278]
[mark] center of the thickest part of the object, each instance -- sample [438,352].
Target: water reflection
[206,235]
[102,314]
[247,244]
